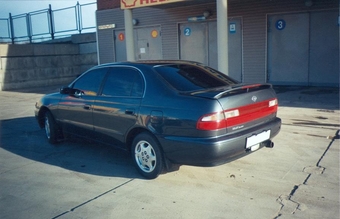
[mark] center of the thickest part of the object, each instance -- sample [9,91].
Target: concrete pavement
[298,178]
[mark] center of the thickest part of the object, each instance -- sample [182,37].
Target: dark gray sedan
[164,113]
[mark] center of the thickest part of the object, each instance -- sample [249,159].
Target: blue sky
[25,6]
[63,19]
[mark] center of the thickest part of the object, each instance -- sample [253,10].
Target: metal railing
[47,24]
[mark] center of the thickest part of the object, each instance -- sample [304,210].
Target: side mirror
[71,91]
[65,90]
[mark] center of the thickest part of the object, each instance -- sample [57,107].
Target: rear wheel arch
[132,135]
[147,155]
[168,166]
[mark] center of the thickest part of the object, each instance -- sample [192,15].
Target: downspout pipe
[222,36]
[130,45]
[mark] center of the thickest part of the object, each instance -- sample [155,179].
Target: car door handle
[129,111]
[87,107]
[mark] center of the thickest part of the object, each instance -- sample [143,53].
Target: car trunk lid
[244,106]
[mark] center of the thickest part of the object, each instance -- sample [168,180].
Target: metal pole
[78,17]
[130,45]
[222,36]
[29,27]
[50,15]
[11,27]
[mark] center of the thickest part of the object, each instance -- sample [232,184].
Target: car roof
[150,63]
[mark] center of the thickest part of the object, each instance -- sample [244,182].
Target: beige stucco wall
[33,65]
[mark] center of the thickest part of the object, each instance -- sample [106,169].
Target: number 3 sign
[280,24]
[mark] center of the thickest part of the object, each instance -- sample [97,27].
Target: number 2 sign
[187,31]
[280,24]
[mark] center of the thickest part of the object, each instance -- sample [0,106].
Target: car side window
[90,82]
[123,82]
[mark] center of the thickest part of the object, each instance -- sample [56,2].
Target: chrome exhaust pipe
[268,144]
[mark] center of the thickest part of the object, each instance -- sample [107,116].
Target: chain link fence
[48,24]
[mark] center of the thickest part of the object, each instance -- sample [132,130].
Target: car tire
[51,128]
[147,155]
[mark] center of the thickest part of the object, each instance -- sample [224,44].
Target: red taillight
[237,116]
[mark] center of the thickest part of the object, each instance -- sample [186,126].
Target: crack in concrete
[288,206]
[92,199]
[286,202]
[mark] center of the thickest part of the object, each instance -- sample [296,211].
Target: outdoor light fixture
[135,22]
[203,17]
[206,14]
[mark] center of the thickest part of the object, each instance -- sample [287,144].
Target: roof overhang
[130,4]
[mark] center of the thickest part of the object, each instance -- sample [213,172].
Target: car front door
[116,108]
[75,108]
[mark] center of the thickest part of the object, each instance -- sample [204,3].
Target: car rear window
[191,78]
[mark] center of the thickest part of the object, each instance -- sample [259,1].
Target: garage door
[303,49]
[198,42]
[288,44]
[324,49]
[148,44]
[194,42]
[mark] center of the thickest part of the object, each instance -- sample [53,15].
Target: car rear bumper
[214,151]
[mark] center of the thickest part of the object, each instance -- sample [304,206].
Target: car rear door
[117,106]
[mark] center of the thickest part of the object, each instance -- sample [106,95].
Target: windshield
[190,77]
